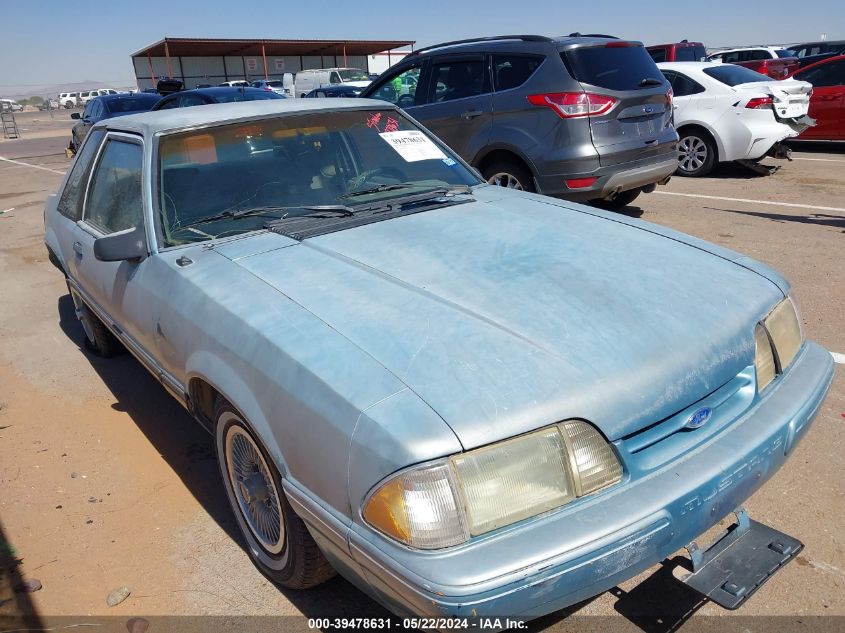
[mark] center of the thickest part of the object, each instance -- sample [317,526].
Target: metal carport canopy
[199,47]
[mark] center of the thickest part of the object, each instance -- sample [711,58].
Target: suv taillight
[759,103]
[569,105]
[669,96]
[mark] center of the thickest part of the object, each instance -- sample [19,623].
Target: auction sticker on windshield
[412,145]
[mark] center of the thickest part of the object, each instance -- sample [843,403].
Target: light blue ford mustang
[467,400]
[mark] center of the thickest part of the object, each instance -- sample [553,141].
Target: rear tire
[697,153]
[277,540]
[510,175]
[621,200]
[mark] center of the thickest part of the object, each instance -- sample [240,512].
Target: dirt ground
[106,482]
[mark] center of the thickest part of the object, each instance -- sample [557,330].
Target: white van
[307,80]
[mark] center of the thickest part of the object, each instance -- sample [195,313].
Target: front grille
[655,445]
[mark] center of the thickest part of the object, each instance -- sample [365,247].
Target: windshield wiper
[438,190]
[313,211]
[650,81]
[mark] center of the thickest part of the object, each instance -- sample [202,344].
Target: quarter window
[70,203]
[511,71]
[114,198]
[683,86]
[458,79]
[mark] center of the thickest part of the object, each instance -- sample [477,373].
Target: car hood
[515,311]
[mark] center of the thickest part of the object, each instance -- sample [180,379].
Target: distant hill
[24,92]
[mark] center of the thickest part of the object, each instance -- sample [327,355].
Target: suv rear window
[617,67]
[690,53]
[732,75]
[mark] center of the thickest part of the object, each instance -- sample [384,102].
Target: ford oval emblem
[699,418]
[648,109]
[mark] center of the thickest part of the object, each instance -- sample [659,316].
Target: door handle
[469,114]
[77,248]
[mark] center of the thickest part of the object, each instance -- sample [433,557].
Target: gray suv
[580,117]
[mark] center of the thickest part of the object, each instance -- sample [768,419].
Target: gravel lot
[106,482]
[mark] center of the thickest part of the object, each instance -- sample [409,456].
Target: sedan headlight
[446,502]
[778,339]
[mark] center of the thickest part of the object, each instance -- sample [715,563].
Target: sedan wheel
[697,155]
[276,538]
[254,490]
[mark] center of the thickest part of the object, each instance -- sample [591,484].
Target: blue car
[468,400]
[337,90]
[218,94]
[106,107]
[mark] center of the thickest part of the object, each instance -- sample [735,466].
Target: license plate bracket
[730,570]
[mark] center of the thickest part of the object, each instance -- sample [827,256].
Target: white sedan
[728,113]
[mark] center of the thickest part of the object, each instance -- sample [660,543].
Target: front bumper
[556,560]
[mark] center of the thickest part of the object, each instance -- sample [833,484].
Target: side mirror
[75,115]
[129,245]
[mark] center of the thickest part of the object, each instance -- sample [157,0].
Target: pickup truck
[775,62]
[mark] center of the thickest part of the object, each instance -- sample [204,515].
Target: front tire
[277,540]
[697,153]
[98,338]
[510,175]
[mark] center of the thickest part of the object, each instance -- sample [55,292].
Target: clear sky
[48,42]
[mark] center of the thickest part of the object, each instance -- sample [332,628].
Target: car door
[688,97]
[827,103]
[458,104]
[114,201]
[69,206]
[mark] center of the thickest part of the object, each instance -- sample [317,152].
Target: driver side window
[114,200]
[400,88]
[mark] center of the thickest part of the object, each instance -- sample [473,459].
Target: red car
[827,102]
[775,62]
[683,51]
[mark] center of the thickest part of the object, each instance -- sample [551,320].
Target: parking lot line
[838,358]
[17,162]
[821,160]
[767,202]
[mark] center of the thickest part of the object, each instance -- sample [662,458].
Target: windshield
[235,178]
[135,103]
[353,74]
[734,75]
[690,53]
[785,52]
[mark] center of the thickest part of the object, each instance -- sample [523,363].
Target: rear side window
[511,71]
[690,53]
[114,199]
[734,75]
[658,55]
[683,86]
[70,204]
[830,74]
[458,79]
[614,67]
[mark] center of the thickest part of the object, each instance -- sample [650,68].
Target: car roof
[149,123]
[119,97]
[676,44]
[820,62]
[510,41]
[693,66]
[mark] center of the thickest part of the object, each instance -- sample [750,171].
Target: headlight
[446,502]
[778,339]
[784,328]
